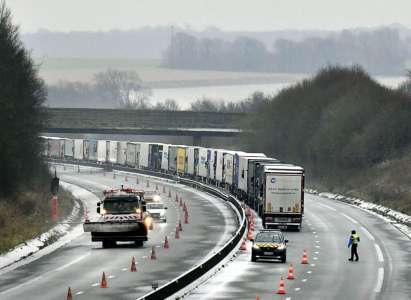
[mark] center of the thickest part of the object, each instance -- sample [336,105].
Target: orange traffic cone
[184,207]
[177,236]
[243,246]
[133,267]
[181,202]
[176,198]
[166,244]
[249,235]
[257,297]
[290,272]
[69,295]
[186,217]
[153,253]
[304,261]
[103,283]
[180,227]
[281,290]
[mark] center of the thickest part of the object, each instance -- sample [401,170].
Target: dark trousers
[354,251]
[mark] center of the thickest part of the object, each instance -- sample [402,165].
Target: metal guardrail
[196,272]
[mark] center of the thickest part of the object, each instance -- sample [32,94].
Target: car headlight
[148,221]
[138,210]
[103,211]
[156,198]
[281,247]
[256,246]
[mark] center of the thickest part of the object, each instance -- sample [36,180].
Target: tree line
[380,51]
[344,128]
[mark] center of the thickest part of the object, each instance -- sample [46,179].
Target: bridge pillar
[197,140]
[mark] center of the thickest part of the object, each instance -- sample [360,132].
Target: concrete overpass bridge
[148,122]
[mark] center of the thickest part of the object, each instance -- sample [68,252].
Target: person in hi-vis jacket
[353,243]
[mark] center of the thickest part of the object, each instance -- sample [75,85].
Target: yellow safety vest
[355,238]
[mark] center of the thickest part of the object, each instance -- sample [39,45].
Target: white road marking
[21,285]
[380,280]
[297,289]
[304,280]
[73,262]
[111,276]
[312,265]
[316,236]
[95,284]
[315,258]
[367,233]
[326,206]
[288,298]
[124,269]
[314,232]
[317,252]
[309,272]
[317,241]
[317,246]
[379,253]
[349,218]
[79,293]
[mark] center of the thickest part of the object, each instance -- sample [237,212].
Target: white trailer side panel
[243,169]
[112,156]
[190,160]
[143,155]
[202,164]
[78,149]
[283,193]
[228,175]
[131,156]
[219,166]
[211,164]
[69,148]
[164,158]
[101,150]
[121,153]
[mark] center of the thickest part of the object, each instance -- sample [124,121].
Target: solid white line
[349,218]
[367,233]
[73,262]
[380,280]
[326,206]
[379,253]
[21,285]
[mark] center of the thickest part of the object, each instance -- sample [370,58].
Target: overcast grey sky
[68,15]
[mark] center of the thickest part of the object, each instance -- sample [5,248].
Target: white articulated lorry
[281,194]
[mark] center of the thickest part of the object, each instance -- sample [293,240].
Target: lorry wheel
[107,244]
[138,243]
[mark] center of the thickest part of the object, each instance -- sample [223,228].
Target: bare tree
[124,88]
[167,105]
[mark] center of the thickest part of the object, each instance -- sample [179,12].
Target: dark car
[269,244]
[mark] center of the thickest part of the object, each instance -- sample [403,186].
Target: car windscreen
[121,205]
[155,206]
[267,237]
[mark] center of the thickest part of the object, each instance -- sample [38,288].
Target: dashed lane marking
[79,293]
[312,265]
[349,218]
[111,276]
[309,272]
[367,233]
[21,285]
[124,269]
[304,280]
[380,280]
[317,246]
[326,206]
[95,284]
[379,253]
[297,289]
[73,262]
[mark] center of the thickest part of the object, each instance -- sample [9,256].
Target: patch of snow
[399,220]
[48,241]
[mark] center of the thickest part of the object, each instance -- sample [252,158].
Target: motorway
[80,263]
[383,271]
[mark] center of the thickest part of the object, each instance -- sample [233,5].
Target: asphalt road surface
[382,272]
[80,263]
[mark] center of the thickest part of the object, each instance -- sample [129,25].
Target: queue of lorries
[273,188]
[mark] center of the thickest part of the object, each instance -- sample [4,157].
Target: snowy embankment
[401,221]
[54,238]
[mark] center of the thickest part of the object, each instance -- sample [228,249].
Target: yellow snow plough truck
[122,217]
